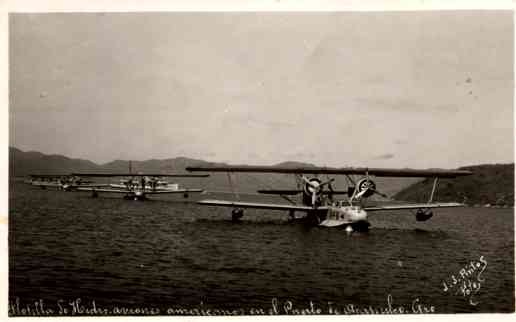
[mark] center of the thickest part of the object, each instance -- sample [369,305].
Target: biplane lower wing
[173,191]
[255,205]
[415,206]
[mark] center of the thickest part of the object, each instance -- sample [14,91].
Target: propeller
[314,198]
[315,187]
[315,184]
[366,188]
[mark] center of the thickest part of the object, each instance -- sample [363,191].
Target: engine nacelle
[311,186]
[309,189]
[367,186]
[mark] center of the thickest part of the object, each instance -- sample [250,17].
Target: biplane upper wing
[256,205]
[379,172]
[415,206]
[179,175]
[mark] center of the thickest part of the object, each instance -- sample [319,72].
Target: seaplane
[64,182]
[139,185]
[318,205]
[149,183]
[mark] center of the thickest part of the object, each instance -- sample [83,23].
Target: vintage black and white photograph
[261,163]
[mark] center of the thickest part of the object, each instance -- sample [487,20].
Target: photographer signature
[467,281]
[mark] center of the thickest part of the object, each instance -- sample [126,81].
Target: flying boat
[318,206]
[139,185]
[64,182]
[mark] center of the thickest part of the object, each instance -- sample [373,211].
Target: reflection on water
[172,252]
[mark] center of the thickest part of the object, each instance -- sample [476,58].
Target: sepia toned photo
[261,163]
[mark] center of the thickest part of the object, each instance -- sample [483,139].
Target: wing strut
[350,180]
[436,180]
[287,198]
[232,187]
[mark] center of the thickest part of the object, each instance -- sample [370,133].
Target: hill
[24,163]
[490,184]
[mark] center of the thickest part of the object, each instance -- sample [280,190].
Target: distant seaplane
[138,189]
[318,206]
[64,182]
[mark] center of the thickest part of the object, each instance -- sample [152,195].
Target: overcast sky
[407,89]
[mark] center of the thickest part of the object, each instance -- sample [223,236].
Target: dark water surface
[170,253]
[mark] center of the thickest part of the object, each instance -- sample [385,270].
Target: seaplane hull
[345,216]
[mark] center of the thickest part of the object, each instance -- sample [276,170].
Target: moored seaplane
[139,185]
[64,182]
[318,205]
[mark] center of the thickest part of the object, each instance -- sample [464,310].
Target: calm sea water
[74,253]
